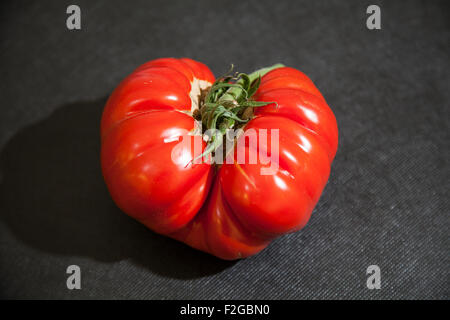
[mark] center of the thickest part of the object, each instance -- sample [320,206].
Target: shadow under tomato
[52,196]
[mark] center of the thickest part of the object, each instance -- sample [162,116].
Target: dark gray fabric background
[386,202]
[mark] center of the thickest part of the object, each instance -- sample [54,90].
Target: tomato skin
[136,163]
[139,119]
[283,78]
[309,110]
[231,211]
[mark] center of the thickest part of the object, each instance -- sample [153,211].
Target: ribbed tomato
[229,210]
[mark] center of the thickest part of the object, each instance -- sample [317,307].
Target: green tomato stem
[233,92]
[226,102]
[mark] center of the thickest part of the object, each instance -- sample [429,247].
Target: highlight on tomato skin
[224,165]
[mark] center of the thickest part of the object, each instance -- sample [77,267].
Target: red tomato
[232,210]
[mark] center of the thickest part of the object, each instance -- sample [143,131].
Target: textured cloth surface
[386,202]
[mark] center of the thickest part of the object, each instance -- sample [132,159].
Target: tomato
[230,210]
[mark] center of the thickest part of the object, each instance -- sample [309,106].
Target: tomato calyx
[228,104]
